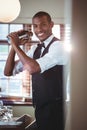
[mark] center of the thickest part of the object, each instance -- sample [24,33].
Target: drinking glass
[1,109]
[1,104]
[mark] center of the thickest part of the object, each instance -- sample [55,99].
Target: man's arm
[8,70]
[28,63]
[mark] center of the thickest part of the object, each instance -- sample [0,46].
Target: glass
[6,113]
[1,110]
[1,104]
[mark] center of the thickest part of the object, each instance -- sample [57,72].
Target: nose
[39,29]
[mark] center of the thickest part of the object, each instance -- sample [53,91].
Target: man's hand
[15,37]
[24,36]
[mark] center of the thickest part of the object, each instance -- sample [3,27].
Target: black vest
[47,86]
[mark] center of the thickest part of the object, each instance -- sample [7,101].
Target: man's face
[42,27]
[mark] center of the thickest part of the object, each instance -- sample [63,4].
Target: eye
[44,24]
[35,26]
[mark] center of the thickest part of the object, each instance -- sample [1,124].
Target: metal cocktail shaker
[24,34]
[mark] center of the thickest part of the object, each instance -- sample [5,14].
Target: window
[16,89]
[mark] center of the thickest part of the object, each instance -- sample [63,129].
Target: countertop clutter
[8,121]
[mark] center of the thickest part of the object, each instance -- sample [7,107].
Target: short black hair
[42,13]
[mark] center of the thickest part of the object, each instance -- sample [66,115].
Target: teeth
[40,34]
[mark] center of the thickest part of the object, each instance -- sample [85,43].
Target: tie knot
[41,45]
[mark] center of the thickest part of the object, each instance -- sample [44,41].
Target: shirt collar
[48,40]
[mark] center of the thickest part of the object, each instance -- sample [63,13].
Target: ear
[52,23]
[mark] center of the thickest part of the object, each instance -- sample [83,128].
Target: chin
[41,39]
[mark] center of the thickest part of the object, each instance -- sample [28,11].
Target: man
[46,71]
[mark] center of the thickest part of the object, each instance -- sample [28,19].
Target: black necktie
[37,52]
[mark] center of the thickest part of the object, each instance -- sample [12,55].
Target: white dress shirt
[57,55]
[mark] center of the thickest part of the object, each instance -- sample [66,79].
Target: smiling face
[42,27]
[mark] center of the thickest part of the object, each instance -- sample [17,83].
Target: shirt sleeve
[18,65]
[57,55]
